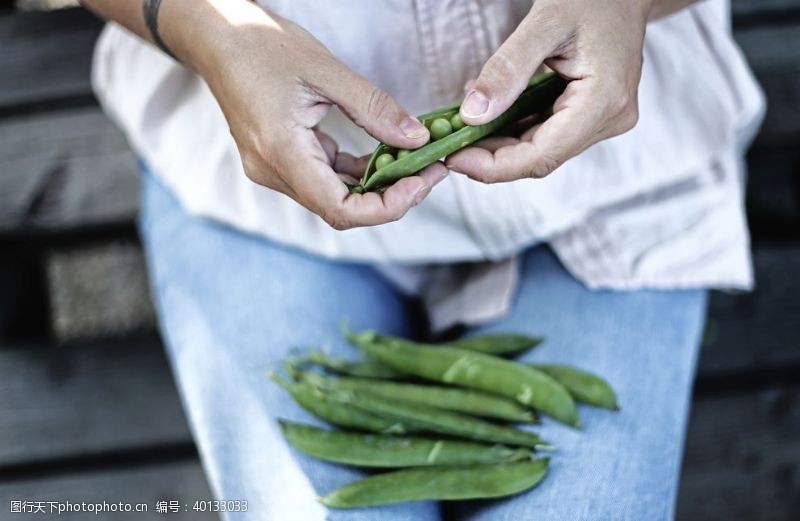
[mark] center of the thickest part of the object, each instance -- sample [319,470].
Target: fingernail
[412,128]
[475,105]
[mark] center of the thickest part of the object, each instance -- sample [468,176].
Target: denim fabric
[232,305]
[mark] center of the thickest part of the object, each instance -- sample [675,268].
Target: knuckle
[336,220]
[545,166]
[500,68]
[379,104]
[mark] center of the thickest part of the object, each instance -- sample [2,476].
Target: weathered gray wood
[758,330]
[773,193]
[183,482]
[83,305]
[742,459]
[71,167]
[774,55]
[45,56]
[76,400]
[745,8]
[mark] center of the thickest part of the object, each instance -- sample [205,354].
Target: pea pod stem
[440,483]
[541,92]
[382,451]
[368,368]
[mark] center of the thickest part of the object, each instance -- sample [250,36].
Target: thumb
[374,110]
[506,73]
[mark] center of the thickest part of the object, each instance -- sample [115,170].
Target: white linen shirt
[658,207]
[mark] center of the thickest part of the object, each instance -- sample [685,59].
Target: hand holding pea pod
[581,40]
[449,134]
[274,90]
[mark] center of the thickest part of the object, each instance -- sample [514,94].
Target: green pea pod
[440,484]
[584,387]
[425,417]
[469,401]
[540,94]
[338,413]
[498,344]
[368,368]
[371,450]
[489,373]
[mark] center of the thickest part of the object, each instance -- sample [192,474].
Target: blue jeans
[232,305]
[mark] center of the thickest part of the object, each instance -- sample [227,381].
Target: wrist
[200,33]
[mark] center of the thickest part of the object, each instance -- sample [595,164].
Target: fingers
[585,114]
[351,165]
[506,74]
[329,146]
[317,187]
[373,109]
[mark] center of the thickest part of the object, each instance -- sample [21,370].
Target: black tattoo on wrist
[150,8]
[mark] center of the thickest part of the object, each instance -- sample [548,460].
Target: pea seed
[369,450]
[540,94]
[383,160]
[469,401]
[456,122]
[440,128]
[455,366]
[583,386]
[403,153]
[440,483]
[425,417]
[338,413]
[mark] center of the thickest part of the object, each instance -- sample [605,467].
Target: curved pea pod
[375,450]
[540,94]
[451,365]
[440,484]
[338,413]
[498,344]
[469,401]
[583,386]
[425,417]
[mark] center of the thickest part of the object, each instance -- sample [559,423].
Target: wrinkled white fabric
[661,206]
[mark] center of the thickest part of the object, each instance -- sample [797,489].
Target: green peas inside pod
[383,160]
[440,128]
[456,122]
[403,153]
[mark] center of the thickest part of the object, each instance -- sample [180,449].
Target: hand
[597,45]
[274,83]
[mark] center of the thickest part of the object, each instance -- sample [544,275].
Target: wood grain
[742,458]
[183,482]
[116,395]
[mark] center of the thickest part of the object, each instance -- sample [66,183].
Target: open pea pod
[540,94]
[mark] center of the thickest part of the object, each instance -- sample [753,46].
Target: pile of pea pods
[442,413]
[449,134]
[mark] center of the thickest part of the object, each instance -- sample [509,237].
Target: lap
[232,306]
